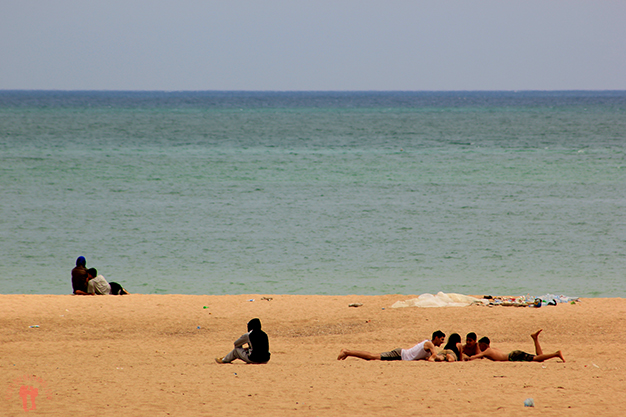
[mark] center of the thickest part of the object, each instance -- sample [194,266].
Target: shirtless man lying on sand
[423,350]
[517,355]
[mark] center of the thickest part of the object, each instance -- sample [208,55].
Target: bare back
[493,354]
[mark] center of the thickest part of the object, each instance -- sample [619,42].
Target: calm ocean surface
[315,193]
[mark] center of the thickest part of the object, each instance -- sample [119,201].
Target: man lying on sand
[424,350]
[517,355]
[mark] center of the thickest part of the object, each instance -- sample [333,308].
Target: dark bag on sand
[116,289]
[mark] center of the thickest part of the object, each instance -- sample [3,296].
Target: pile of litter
[459,300]
[440,300]
[531,301]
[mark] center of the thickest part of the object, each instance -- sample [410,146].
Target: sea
[335,193]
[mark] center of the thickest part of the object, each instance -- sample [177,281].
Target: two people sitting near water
[455,351]
[88,282]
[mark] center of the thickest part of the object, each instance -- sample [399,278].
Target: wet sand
[153,355]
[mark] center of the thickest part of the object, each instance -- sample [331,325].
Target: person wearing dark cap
[258,350]
[79,276]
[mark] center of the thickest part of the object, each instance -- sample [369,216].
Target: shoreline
[153,354]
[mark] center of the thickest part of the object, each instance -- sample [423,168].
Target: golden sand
[153,355]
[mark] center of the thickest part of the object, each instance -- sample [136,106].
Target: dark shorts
[519,356]
[393,355]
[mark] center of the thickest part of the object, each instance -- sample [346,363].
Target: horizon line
[307,91]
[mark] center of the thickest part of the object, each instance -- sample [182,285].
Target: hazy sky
[313,45]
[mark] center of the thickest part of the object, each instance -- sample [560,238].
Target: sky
[320,45]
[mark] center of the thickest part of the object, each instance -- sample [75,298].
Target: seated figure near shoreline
[79,277]
[516,355]
[470,348]
[98,285]
[452,350]
[423,350]
[258,350]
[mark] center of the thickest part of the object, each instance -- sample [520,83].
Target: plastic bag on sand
[439,300]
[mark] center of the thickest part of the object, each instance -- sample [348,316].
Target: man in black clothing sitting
[258,350]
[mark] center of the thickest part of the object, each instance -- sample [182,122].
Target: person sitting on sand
[98,285]
[452,350]
[258,350]
[470,348]
[517,355]
[79,277]
[423,350]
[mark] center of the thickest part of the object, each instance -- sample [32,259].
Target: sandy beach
[153,355]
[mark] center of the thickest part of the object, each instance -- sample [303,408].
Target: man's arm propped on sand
[430,348]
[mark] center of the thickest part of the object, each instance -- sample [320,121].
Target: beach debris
[355,304]
[205,307]
[34,326]
[441,299]
[267,298]
[529,402]
[531,301]
[251,300]
[198,327]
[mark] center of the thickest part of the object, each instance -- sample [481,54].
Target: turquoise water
[315,193]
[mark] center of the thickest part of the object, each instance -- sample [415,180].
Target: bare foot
[342,355]
[536,334]
[560,355]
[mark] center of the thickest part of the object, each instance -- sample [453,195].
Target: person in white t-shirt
[97,285]
[424,350]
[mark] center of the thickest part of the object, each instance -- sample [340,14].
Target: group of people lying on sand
[454,351]
[253,347]
[88,282]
